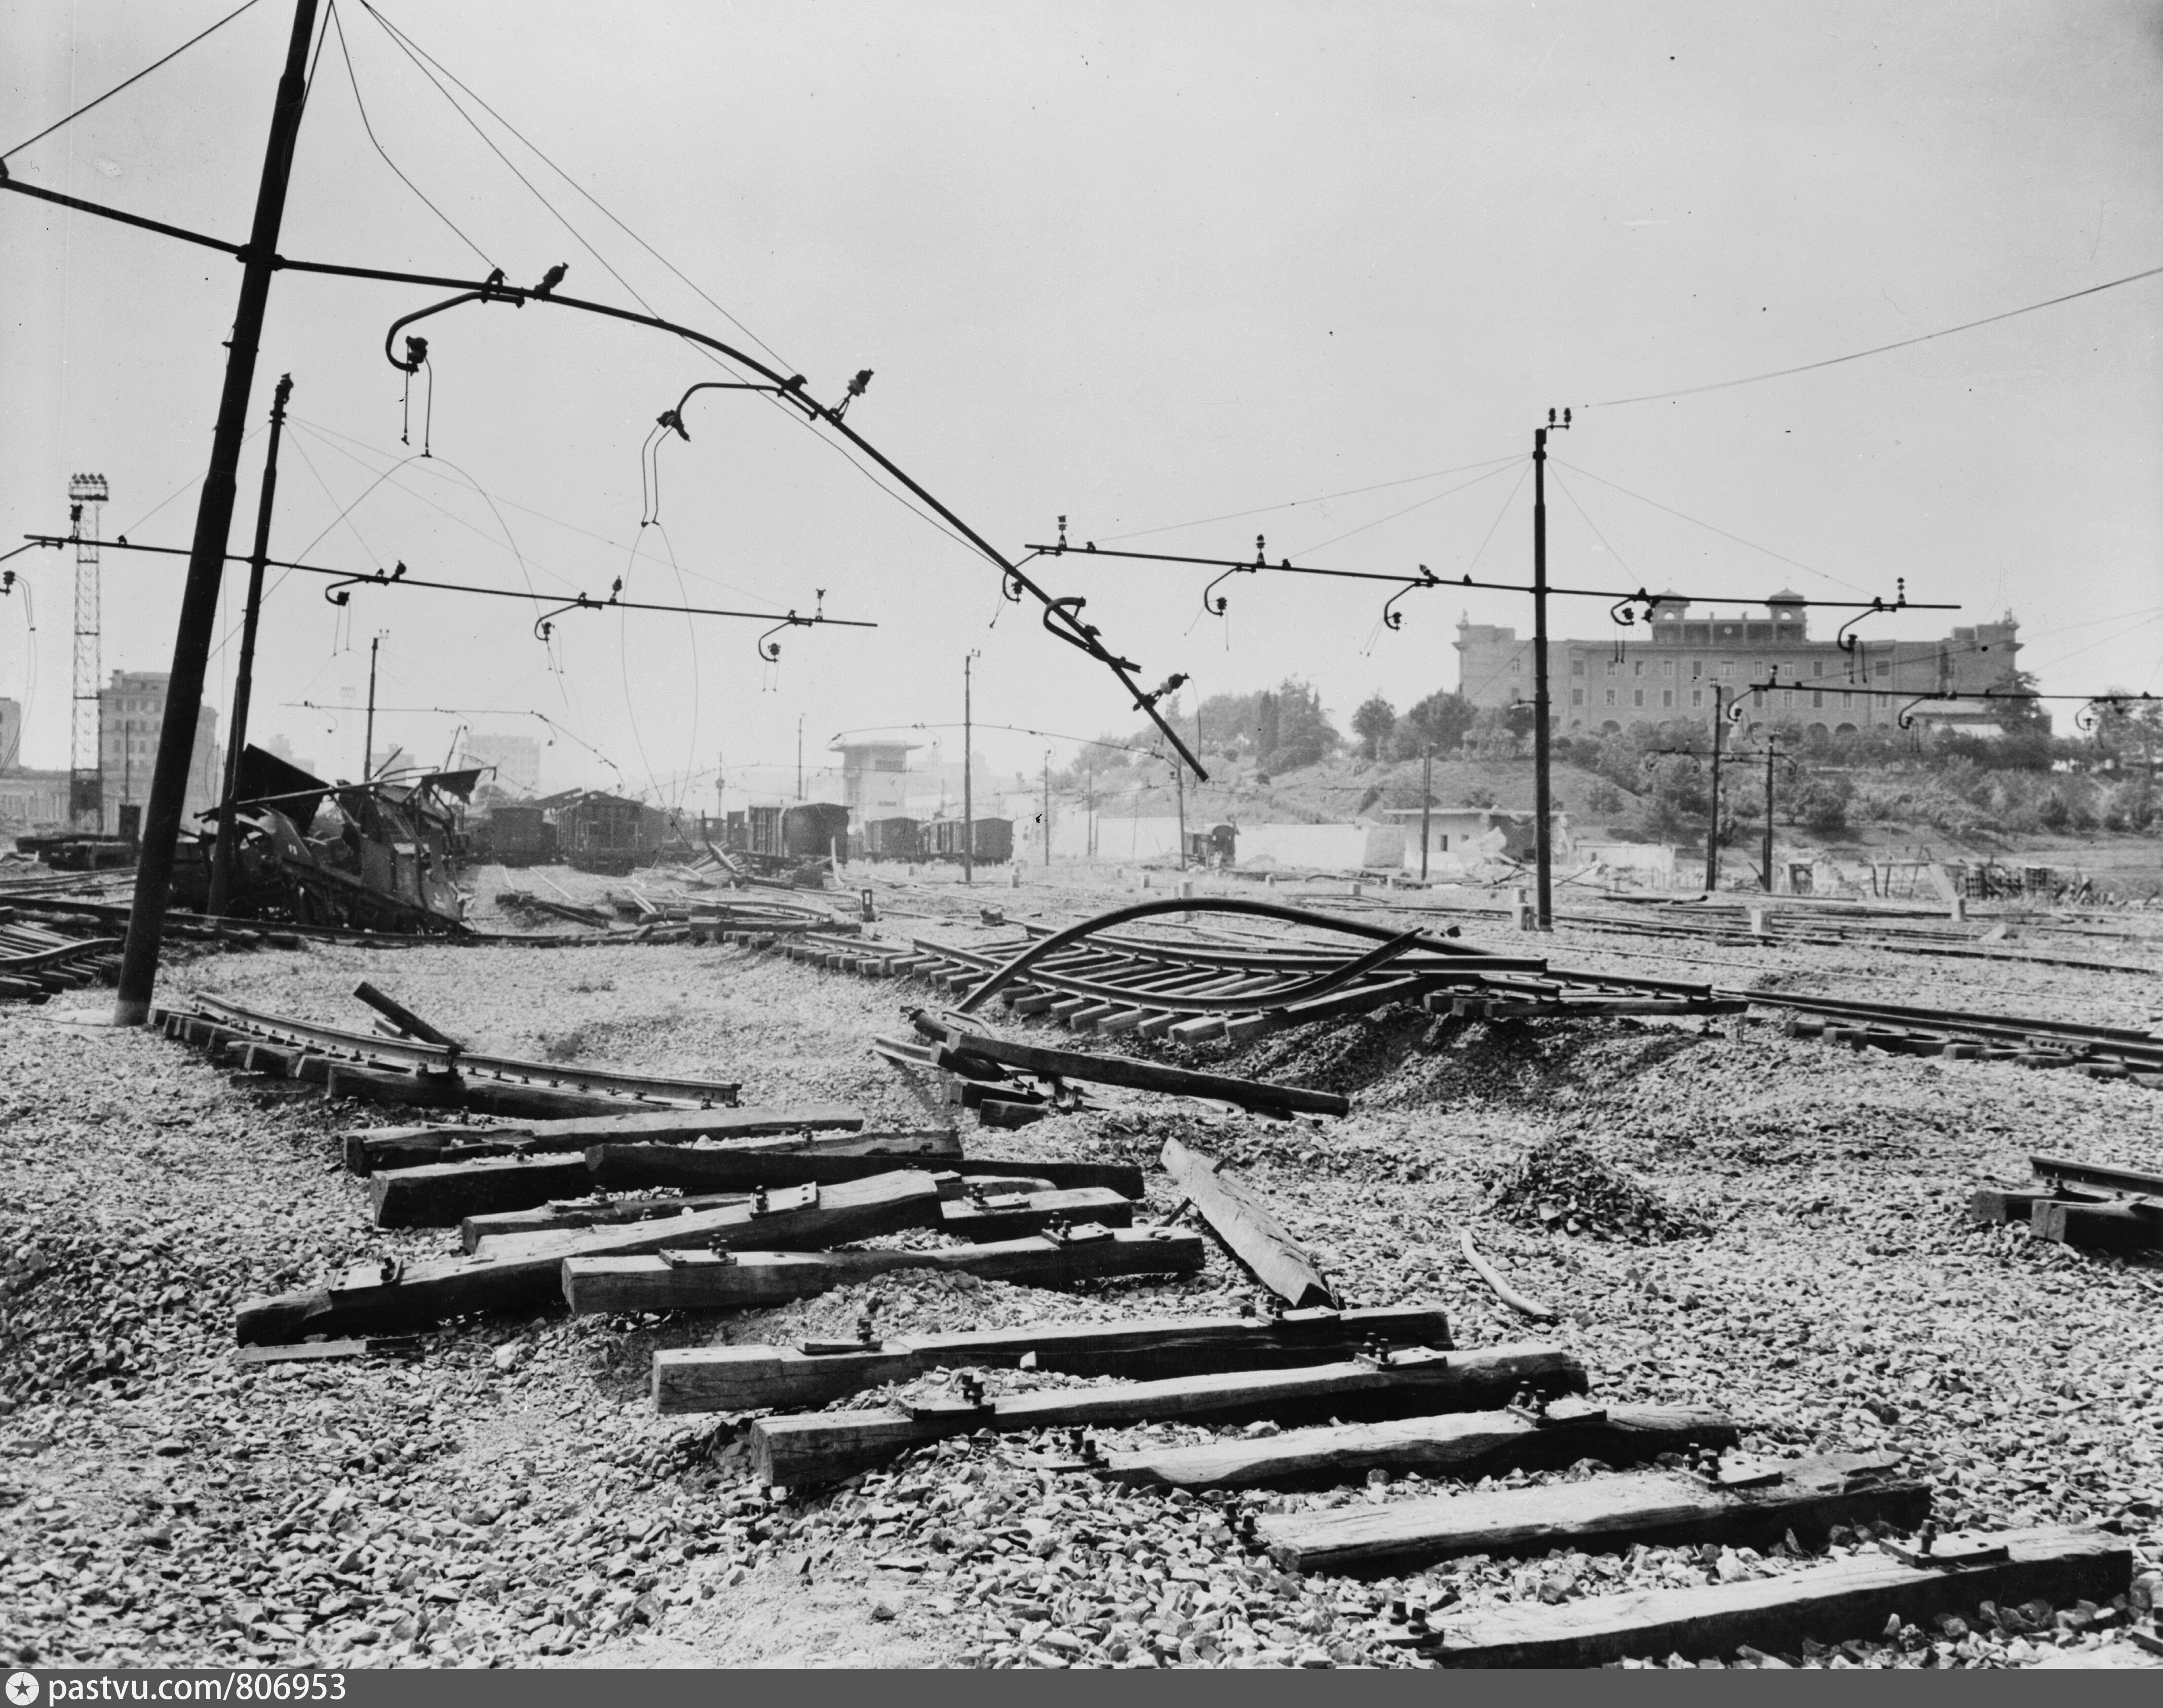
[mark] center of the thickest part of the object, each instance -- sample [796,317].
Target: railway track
[1093,977]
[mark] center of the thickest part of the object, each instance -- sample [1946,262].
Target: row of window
[1760,670]
[1789,698]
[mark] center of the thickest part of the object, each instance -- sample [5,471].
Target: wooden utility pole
[192,637]
[1047,809]
[968,766]
[368,740]
[1542,835]
[243,680]
[1427,806]
[1712,830]
[1179,782]
[1772,753]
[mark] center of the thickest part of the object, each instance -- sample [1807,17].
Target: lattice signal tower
[87,496]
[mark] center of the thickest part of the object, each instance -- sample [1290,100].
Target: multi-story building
[131,713]
[1605,686]
[516,760]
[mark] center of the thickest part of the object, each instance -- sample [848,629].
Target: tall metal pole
[191,638]
[1426,807]
[244,681]
[1542,838]
[1712,832]
[1179,782]
[86,497]
[968,769]
[1047,809]
[1771,753]
[368,740]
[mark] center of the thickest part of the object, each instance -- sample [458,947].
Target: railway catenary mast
[86,497]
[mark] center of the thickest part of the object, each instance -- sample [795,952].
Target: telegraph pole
[1542,835]
[1771,753]
[1712,834]
[968,768]
[1047,809]
[1427,806]
[244,681]
[1179,782]
[177,739]
[368,740]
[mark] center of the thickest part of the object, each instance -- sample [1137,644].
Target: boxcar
[893,839]
[991,844]
[812,831]
[515,836]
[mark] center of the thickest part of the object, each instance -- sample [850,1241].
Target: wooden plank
[712,1169]
[1135,1075]
[441,1194]
[1240,1217]
[2096,1175]
[1604,1514]
[822,1447]
[749,1378]
[572,1215]
[1012,1215]
[384,1085]
[741,1167]
[1830,1603]
[2121,1227]
[1468,1444]
[370,1149]
[628,1283]
[363,1301]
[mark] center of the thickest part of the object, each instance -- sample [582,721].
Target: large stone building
[1605,686]
[516,760]
[131,713]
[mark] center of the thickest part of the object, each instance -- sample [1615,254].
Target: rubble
[1560,1186]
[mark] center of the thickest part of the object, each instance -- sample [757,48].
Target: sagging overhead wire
[418,54]
[126,82]
[361,105]
[1554,462]
[1880,349]
[1319,498]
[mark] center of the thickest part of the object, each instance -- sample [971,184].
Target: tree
[1372,723]
[1439,722]
[1298,730]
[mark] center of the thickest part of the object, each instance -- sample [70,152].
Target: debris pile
[1560,1186]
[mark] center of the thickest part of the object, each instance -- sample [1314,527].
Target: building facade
[1689,663]
[131,713]
[874,777]
[516,760]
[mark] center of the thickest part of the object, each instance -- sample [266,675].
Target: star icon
[22,1688]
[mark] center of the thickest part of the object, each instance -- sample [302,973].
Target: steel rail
[409,1053]
[2115,1038]
[1254,1000]
[1087,928]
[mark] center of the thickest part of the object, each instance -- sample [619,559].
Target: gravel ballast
[1770,1227]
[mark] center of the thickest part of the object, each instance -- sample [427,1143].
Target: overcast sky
[1137,265]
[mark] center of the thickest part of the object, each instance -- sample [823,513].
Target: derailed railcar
[377,856]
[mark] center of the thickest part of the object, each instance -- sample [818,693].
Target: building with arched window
[1666,670]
